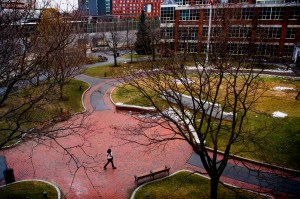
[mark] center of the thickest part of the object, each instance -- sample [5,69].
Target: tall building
[95,8]
[121,8]
[185,25]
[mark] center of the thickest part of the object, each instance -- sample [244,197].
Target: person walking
[109,159]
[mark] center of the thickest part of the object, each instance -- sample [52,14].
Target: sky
[64,5]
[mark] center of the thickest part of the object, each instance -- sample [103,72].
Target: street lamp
[211,2]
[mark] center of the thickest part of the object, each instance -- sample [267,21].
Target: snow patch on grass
[282,88]
[279,114]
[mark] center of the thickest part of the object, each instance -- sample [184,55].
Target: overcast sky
[64,5]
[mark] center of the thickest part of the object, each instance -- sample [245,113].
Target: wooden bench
[152,175]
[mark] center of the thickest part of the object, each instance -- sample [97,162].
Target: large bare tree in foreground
[202,104]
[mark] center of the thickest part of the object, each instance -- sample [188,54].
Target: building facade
[17,4]
[121,8]
[185,25]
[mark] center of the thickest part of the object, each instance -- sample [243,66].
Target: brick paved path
[130,159]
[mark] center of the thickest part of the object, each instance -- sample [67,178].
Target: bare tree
[155,39]
[130,38]
[67,61]
[205,104]
[116,41]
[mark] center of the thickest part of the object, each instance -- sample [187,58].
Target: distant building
[16,4]
[121,8]
[278,20]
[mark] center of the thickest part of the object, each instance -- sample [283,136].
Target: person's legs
[106,163]
[112,163]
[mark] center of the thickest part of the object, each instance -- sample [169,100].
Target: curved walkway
[31,160]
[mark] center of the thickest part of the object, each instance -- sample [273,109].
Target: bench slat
[152,174]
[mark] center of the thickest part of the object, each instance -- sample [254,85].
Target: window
[294,13]
[184,15]
[237,49]
[201,2]
[246,13]
[167,33]
[269,32]
[239,32]
[288,50]
[194,15]
[291,33]
[266,49]
[167,14]
[189,15]
[205,32]
[188,33]
[190,47]
[271,13]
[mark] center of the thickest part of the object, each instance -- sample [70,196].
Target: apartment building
[186,25]
[120,8]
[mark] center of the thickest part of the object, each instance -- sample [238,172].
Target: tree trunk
[61,87]
[214,188]
[115,59]
[131,56]
[298,96]
[153,54]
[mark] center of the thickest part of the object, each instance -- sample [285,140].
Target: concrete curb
[240,158]
[136,189]
[128,107]
[59,195]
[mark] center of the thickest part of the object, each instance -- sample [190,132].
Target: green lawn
[114,71]
[102,71]
[280,136]
[30,189]
[135,56]
[73,95]
[185,185]
[71,103]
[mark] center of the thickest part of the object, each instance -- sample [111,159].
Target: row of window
[240,49]
[266,13]
[191,33]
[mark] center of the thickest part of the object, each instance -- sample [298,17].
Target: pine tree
[143,41]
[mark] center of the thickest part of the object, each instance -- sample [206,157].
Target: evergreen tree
[143,40]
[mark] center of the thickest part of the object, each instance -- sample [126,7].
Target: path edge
[186,170]
[37,180]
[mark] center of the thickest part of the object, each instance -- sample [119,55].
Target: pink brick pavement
[30,160]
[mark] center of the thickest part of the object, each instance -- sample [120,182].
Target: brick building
[122,8]
[277,21]
[17,4]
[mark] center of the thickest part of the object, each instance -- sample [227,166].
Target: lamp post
[209,30]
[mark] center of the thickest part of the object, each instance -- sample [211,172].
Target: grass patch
[30,189]
[135,56]
[115,71]
[102,71]
[187,185]
[43,111]
[129,95]
[73,94]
